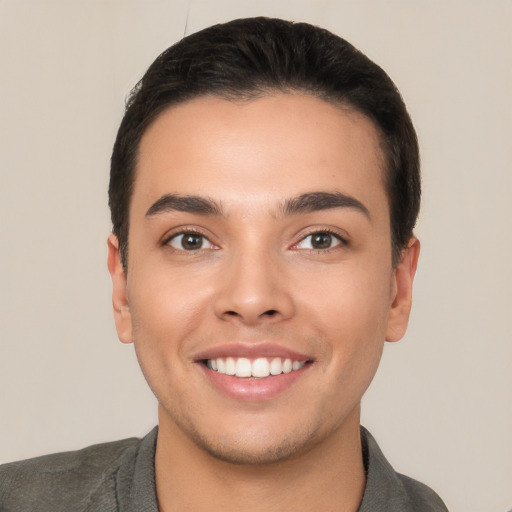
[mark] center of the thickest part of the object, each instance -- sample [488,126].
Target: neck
[328,476]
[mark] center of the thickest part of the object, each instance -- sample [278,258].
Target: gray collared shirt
[120,477]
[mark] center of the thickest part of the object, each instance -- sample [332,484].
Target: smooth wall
[440,405]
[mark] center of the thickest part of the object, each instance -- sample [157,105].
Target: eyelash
[191,231]
[343,241]
[185,232]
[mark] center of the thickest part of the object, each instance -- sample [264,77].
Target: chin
[250,453]
[252,445]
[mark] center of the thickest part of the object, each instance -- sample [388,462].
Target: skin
[256,279]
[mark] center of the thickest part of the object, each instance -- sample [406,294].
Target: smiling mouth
[260,368]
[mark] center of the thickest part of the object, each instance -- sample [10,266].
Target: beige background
[441,403]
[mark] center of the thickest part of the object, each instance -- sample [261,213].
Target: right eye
[189,241]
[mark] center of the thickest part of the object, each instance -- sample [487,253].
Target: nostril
[270,312]
[251,316]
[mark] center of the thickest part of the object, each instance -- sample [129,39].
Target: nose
[254,289]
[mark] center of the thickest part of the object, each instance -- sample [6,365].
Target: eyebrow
[305,203]
[315,201]
[190,204]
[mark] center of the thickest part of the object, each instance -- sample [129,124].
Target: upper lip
[250,351]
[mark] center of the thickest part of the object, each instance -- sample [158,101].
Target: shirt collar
[384,490]
[135,480]
[136,490]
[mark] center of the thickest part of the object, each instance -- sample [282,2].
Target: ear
[402,291]
[122,316]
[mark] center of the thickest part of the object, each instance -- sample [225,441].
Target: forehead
[259,150]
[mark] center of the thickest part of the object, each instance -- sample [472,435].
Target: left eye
[190,242]
[320,240]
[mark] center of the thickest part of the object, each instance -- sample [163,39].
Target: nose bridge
[254,287]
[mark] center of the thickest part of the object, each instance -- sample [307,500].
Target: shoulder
[420,496]
[388,490]
[61,481]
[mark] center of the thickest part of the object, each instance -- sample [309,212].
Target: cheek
[166,312]
[166,308]
[349,295]
[349,309]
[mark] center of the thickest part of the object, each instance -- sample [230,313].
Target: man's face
[260,243]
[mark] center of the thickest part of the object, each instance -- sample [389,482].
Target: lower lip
[252,389]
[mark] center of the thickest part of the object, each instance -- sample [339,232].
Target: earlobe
[122,315]
[402,298]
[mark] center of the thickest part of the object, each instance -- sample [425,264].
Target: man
[264,188]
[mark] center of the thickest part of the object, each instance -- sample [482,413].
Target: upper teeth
[260,367]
